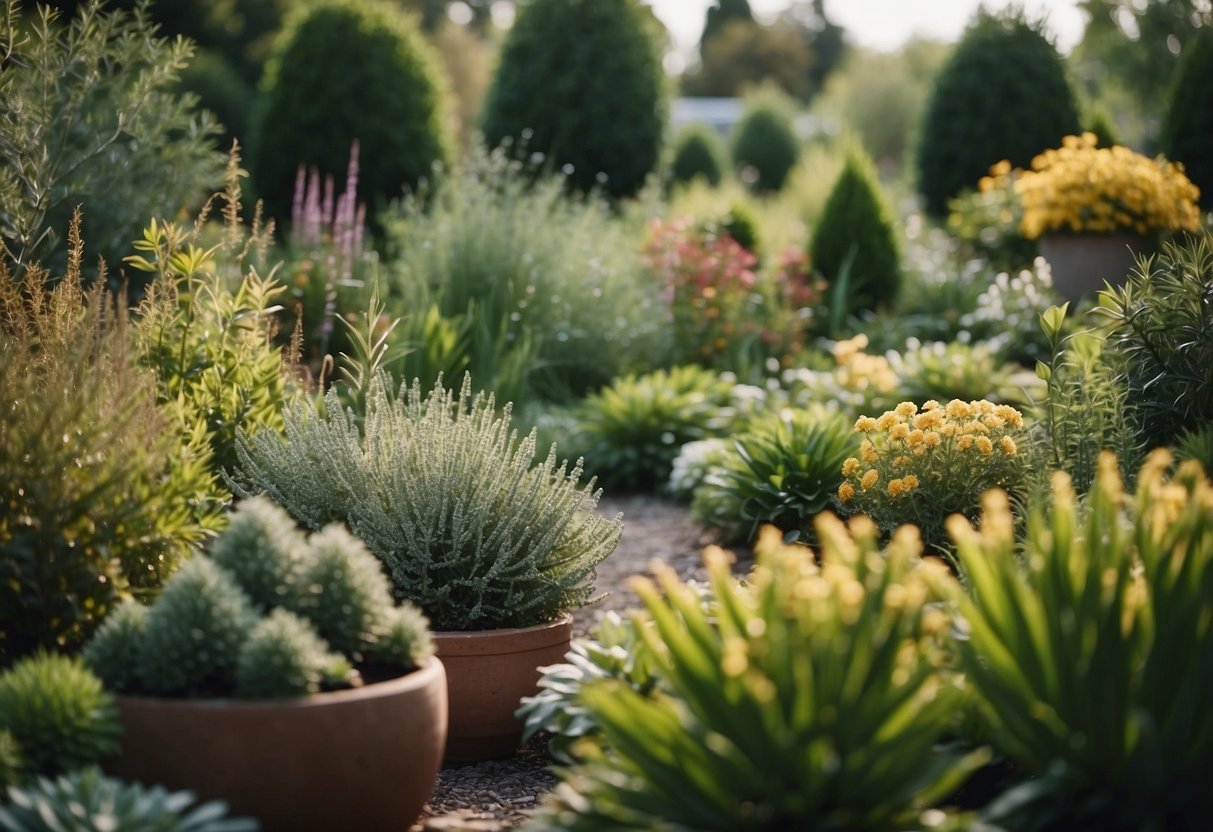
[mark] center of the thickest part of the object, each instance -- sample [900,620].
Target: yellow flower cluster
[1080,187]
[859,371]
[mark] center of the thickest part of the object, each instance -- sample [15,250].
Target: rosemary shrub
[442,490]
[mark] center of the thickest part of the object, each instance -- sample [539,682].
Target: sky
[882,24]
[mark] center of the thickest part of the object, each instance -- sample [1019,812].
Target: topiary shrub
[58,714]
[283,657]
[1002,95]
[1187,128]
[342,71]
[765,147]
[698,152]
[581,81]
[262,549]
[87,801]
[113,651]
[854,244]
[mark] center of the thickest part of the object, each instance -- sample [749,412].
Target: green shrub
[954,371]
[404,639]
[805,698]
[192,634]
[446,496]
[1160,324]
[220,90]
[629,433]
[282,658]
[783,471]
[207,324]
[100,496]
[581,82]
[343,591]
[764,143]
[11,762]
[58,713]
[1197,444]
[854,244]
[503,275]
[87,801]
[1002,95]
[1097,627]
[1187,127]
[99,90]
[343,71]
[698,152]
[113,651]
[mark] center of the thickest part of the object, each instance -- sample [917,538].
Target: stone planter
[488,672]
[1082,263]
[364,758]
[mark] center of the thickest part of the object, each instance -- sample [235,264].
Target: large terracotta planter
[488,672]
[357,759]
[1081,263]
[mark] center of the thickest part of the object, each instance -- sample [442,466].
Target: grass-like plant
[446,496]
[1093,653]
[809,697]
[782,471]
[630,432]
[88,801]
[57,713]
[99,494]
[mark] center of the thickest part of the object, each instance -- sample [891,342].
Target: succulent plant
[283,657]
[404,640]
[87,801]
[113,651]
[193,632]
[262,549]
[57,713]
[342,590]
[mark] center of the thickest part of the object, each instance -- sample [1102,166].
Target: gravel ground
[499,794]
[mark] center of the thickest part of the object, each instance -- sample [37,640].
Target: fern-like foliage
[442,490]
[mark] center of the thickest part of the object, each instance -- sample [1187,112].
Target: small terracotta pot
[1081,263]
[488,672]
[364,758]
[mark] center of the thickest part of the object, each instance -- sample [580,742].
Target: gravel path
[497,795]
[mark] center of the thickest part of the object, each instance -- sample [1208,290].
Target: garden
[407,425]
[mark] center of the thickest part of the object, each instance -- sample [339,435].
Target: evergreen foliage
[1002,95]
[855,235]
[404,639]
[113,651]
[283,657]
[720,13]
[58,714]
[765,146]
[1187,128]
[345,71]
[263,550]
[581,82]
[697,152]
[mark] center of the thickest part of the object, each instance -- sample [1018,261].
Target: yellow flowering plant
[920,465]
[1082,188]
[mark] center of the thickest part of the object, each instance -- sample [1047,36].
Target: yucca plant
[57,713]
[446,496]
[630,432]
[1093,653]
[809,697]
[782,471]
[88,801]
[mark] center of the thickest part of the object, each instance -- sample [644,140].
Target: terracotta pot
[356,759]
[1081,263]
[488,672]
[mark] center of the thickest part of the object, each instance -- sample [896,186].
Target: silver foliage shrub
[441,489]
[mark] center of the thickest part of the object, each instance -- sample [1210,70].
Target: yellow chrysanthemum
[850,466]
[846,492]
[1007,444]
[984,446]
[869,479]
[906,409]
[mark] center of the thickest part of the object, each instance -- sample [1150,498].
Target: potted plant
[1094,208]
[276,673]
[492,547]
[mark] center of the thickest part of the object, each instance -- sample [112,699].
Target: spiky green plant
[263,550]
[113,651]
[404,639]
[1092,653]
[446,496]
[1197,444]
[807,698]
[630,432]
[11,761]
[782,471]
[283,657]
[58,713]
[193,632]
[88,801]
[342,590]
